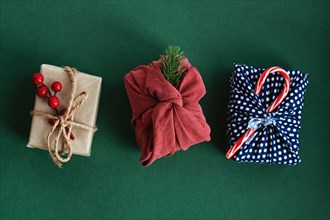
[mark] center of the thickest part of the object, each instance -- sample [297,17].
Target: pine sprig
[171,65]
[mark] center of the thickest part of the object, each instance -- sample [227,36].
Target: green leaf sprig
[171,65]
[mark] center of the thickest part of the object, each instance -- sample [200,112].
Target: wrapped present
[264,113]
[166,114]
[64,115]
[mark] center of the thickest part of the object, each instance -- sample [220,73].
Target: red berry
[56,86]
[72,137]
[42,91]
[53,102]
[38,78]
[63,111]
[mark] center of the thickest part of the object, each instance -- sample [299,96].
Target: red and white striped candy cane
[232,151]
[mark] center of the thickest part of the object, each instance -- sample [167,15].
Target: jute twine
[65,122]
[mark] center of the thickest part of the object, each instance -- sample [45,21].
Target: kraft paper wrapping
[86,114]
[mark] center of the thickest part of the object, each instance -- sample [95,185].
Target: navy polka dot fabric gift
[276,136]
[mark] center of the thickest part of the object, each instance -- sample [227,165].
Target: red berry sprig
[52,99]
[43,90]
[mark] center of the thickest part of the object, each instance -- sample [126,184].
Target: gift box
[166,118]
[264,114]
[71,131]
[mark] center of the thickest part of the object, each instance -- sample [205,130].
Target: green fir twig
[171,65]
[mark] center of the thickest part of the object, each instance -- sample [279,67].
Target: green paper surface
[109,39]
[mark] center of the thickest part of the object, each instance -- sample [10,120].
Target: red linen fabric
[166,119]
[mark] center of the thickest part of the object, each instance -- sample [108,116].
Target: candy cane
[232,151]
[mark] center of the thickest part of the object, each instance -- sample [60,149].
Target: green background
[109,39]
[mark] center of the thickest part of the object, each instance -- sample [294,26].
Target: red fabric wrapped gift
[166,119]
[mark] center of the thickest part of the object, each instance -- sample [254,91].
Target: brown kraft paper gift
[86,113]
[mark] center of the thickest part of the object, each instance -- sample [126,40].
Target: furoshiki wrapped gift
[264,114]
[166,114]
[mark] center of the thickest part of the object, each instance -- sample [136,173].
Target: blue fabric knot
[261,122]
[257,123]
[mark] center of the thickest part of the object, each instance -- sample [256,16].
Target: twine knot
[65,122]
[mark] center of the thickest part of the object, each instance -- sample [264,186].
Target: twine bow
[65,122]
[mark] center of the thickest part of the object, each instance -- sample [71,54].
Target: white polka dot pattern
[276,142]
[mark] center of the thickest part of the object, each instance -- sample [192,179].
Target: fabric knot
[176,101]
[256,123]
